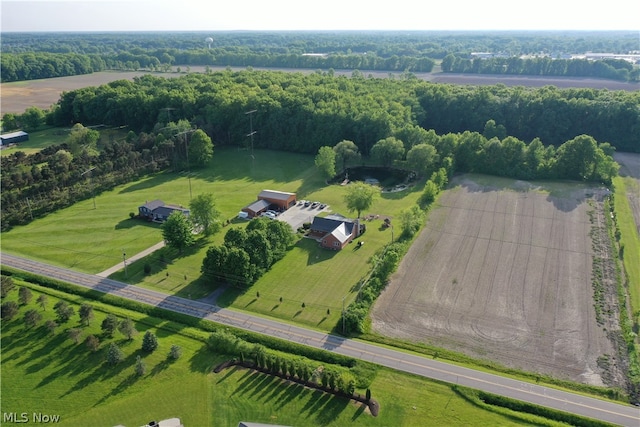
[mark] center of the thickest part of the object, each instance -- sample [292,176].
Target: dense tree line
[29,56]
[302,113]
[493,129]
[44,65]
[433,44]
[615,69]
[247,254]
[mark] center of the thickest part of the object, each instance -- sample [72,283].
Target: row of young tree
[296,112]
[247,253]
[615,69]
[330,377]
[86,164]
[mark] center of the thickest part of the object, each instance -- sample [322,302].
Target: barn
[256,208]
[281,200]
[13,138]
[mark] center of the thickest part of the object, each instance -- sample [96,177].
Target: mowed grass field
[93,240]
[48,373]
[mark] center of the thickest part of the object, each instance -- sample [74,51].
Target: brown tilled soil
[503,271]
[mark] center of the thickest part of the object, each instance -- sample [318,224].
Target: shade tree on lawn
[204,214]
[360,196]
[177,231]
[247,253]
[325,161]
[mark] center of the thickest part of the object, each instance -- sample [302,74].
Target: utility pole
[93,193]
[124,261]
[186,145]
[343,325]
[251,131]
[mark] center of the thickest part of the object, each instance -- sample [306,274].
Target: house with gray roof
[159,211]
[335,231]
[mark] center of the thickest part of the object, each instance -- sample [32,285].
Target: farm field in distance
[18,96]
[502,271]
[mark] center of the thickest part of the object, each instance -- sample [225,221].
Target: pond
[386,178]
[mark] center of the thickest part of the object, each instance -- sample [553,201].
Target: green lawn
[629,238]
[37,141]
[49,373]
[92,240]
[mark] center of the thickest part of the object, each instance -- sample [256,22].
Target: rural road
[625,415]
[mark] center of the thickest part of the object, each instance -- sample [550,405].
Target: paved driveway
[298,215]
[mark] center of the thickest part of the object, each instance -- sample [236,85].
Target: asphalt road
[625,415]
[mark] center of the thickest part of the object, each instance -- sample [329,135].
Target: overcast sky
[220,15]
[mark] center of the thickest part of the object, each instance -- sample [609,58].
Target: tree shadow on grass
[128,223]
[151,182]
[263,386]
[331,410]
[202,361]
[360,411]
[248,381]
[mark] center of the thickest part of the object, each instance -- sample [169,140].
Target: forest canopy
[302,113]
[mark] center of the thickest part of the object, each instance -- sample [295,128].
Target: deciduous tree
[24,295]
[200,148]
[360,196]
[6,285]
[92,342]
[42,301]
[203,213]
[127,328]
[9,310]
[387,150]
[86,314]
[326,162]
[422,158]
[63,311]
[32,318]
[177,231]
[346,152]
[109,325]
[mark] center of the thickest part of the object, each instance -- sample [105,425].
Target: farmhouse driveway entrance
[120,265]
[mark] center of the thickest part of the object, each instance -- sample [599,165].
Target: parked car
[268,215]
[314,205]
[307,203]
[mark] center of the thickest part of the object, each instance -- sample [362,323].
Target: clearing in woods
[502,271]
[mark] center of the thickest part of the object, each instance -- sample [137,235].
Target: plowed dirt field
[502,271]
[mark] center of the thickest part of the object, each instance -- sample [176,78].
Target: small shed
[280,199]
[13,137]
[256,208]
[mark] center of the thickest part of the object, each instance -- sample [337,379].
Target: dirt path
[502,271]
